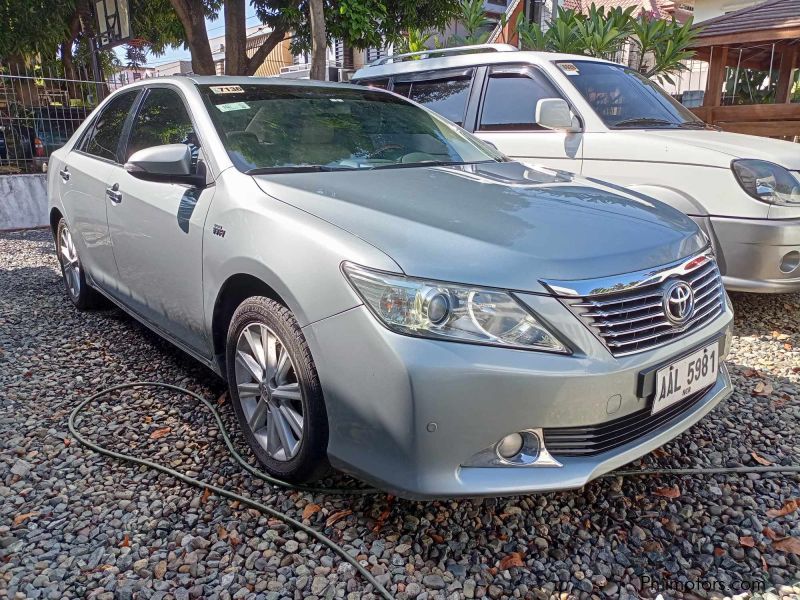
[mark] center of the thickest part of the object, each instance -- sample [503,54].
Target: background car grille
[595,439]
[633,321]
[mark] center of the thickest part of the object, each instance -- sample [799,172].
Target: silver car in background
[387,294]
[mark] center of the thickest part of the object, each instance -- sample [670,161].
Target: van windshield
[625,99]
[275,128]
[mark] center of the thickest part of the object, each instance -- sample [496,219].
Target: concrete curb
[23,201]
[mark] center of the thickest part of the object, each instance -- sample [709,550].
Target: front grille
[634,320]
[596,439]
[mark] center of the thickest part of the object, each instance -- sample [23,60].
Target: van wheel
[276,392]
[82,296]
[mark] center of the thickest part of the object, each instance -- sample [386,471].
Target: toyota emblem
[678,302]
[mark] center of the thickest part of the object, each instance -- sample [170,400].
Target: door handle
[114,194]
[64,174]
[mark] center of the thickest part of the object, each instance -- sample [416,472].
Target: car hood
[494,224]
[718,148]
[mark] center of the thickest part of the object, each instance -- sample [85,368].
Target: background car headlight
[767,181]
[451,312]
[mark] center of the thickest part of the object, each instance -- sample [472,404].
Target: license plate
[686,376]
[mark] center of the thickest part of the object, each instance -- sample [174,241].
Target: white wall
[707,9]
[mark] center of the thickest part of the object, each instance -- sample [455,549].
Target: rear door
[83,180]
[507,117]
[157,227]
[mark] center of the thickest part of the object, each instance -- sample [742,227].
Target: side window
[103,139]
[448,97]
[162,119]
[509,103]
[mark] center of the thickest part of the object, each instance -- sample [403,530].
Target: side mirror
[554,113]
[169,163]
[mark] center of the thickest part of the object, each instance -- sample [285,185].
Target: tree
[472,15]
[663,45]
[319,42]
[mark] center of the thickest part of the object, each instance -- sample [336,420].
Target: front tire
[276,392]
[82,296]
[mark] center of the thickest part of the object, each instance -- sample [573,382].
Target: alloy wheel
[269,393]
[70,262]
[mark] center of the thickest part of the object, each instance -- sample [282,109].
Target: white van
[606,121]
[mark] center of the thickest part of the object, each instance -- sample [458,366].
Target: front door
[157,227]
[507,118]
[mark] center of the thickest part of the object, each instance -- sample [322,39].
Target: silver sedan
[386,294]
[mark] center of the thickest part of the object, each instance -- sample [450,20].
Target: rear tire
[276,392]
[79,292]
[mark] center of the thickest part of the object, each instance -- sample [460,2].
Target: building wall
[708,9]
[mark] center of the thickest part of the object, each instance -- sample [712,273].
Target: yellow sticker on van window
[226,89]
[568,68]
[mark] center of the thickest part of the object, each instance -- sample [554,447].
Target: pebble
[99,528]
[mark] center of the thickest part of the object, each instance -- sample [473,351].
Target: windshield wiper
[693,125]
[432,163]
[643,121]
[297,169]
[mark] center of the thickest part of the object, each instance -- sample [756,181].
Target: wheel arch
[55,217]
[235,290]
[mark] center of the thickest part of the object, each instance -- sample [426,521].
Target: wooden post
[783,91]
[716,76]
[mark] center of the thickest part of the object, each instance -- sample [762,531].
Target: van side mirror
[171,163]
[554,113]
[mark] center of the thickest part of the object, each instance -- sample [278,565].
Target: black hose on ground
[336,491]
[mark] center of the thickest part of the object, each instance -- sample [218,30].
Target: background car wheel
[276,392]
[78,290]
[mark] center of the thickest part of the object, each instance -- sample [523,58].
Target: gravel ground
[75,524]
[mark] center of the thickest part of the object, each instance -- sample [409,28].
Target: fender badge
[218,230]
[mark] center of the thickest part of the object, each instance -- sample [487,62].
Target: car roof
[464,56]
[242,80]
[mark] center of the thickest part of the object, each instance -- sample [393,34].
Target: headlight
[449,312]
[767,181]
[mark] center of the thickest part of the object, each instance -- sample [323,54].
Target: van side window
[103,139]
[448,97]
[377,83]
[509,102]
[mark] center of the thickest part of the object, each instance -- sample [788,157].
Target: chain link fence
[39,112]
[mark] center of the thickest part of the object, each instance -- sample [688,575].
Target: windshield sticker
[568,68]
[229,106]
[226,89]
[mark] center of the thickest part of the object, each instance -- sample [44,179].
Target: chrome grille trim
[633,320]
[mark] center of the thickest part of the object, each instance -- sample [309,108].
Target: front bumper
[406,413]
[759,255]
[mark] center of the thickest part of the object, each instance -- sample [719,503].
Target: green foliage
[415,41]
[472,16]
[662,45]
[365,23]
[31,27]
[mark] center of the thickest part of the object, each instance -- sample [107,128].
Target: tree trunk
[260,55]
[235,38]
[193,19]
[319,43]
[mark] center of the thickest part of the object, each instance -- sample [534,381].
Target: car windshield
[273,128]
[625,99]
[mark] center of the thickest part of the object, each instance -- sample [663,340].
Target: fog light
[519,448]
[510,446]
[790,261]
